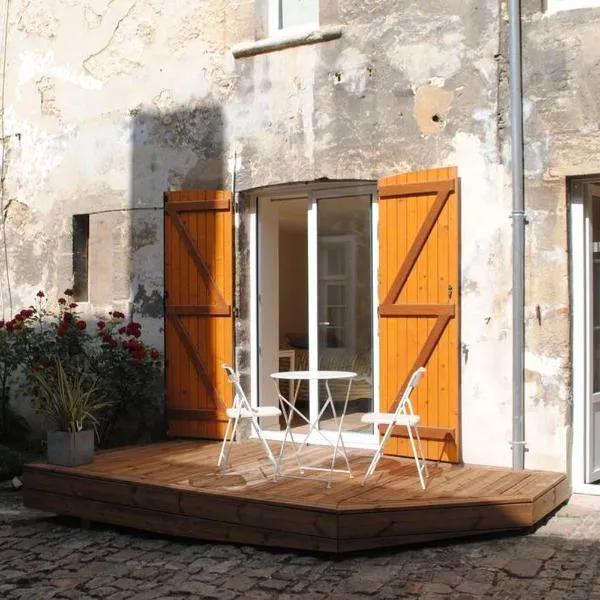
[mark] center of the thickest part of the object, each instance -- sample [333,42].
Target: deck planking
[175,488]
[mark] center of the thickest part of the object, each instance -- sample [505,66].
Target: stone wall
[401,90]
[560,89]
[109,103]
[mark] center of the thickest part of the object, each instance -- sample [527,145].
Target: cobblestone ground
[46,557]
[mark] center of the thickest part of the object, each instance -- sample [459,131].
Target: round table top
[313,375]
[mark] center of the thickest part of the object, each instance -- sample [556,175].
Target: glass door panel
[344,282]
[593,401]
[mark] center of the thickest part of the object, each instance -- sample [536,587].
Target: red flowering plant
[12,427]
[125,370]
[130,372]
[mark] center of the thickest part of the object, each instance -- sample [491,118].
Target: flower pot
[70,449]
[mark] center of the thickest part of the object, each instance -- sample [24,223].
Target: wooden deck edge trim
[550,500]
[435,521]
[341,509]
[442,503]
[175,488]
[172,524]
[559,482]
[417,504]
[200,529]
[32,480]
[181,502]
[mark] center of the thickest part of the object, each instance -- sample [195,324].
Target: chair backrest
[239,398]
[413,382]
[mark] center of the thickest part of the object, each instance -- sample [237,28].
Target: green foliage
[71,402]
[50,349]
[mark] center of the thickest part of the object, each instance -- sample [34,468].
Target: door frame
[581,379]
[312,192]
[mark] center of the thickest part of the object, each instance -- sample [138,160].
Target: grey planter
[70,449]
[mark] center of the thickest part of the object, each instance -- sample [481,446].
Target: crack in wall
[110,40]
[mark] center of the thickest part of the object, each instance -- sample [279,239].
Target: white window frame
[579,318]
[314,192]
[554,6]
[347,279]
[275,12]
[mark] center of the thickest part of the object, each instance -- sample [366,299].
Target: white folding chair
[241,409]
[404,416]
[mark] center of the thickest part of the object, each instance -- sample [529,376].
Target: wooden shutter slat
[416,310]
[195,255]
[203,205]
[418,313]
[423,233]
[198,311]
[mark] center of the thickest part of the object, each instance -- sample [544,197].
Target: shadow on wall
[173,151]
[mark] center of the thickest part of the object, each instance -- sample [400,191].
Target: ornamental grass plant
[71,402]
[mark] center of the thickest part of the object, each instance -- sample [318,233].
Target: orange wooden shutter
[419,304]
[199,316]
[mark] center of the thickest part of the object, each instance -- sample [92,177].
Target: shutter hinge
[236,312]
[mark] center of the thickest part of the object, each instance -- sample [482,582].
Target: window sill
[287,40]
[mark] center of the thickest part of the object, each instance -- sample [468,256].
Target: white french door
[592,274]
[314,302]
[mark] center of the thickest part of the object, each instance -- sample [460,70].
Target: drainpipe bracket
[520,214]
[513,443]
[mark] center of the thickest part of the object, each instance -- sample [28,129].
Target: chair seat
[261,411]
[386,418]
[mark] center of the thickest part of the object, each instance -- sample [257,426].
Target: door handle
[324,323]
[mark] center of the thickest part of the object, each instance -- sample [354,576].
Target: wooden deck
[174,488]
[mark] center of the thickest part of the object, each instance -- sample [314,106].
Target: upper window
[287,15]
[553,6]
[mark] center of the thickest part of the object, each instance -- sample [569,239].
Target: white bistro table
[289,410]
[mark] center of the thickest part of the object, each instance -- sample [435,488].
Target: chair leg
[378,453]
[224,444]
[372,466]
[416,456]
[256,427]
[231,439]
[424,466]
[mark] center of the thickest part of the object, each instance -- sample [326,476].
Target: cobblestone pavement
[46,557]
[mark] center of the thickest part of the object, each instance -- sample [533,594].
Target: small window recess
[554,6]
[287,17]
[289,23]
[81,243]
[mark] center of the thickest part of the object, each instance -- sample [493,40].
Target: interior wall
[293,283]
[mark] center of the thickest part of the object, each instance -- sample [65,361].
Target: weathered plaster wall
[560,88]
[109,103]
[404,89]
